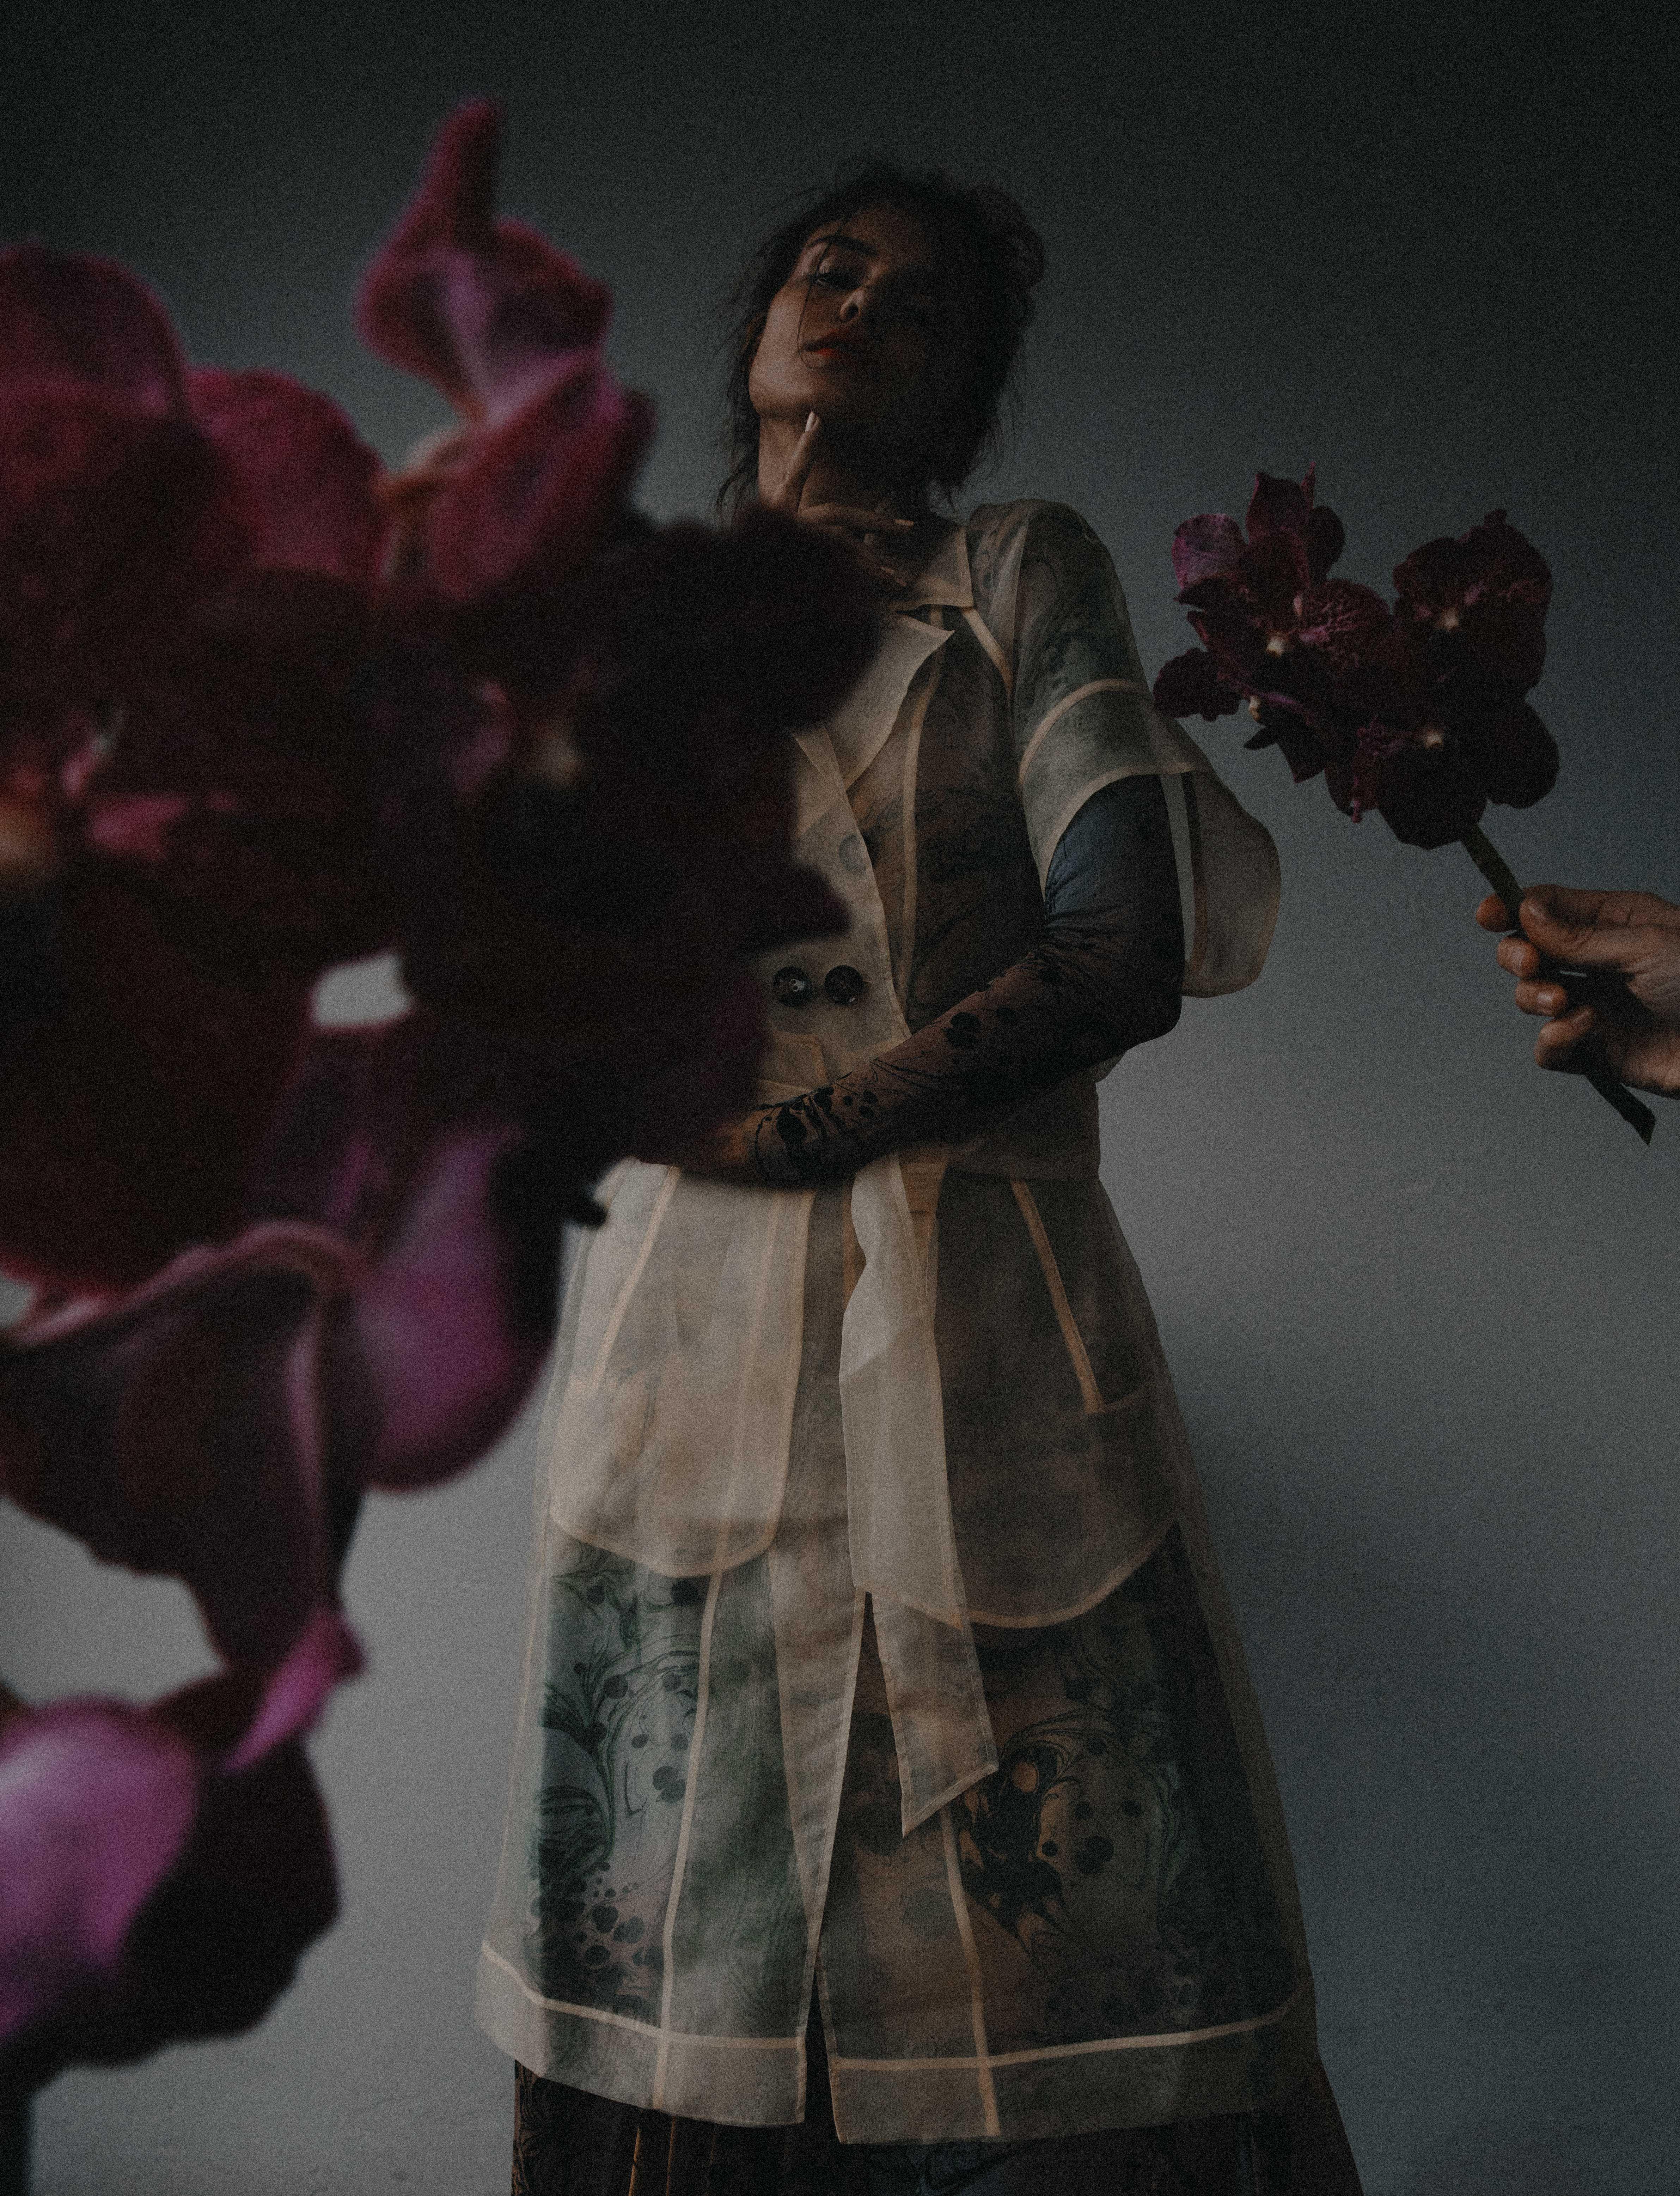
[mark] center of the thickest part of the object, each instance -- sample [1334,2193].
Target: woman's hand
[1633,1020]
[725,1153]
[798,1143]
[872,531]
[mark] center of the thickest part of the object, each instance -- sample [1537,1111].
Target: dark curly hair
[992,256]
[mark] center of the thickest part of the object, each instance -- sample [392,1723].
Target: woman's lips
[837,346]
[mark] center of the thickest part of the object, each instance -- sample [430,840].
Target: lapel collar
[858,729]
[820,784]
[945,579]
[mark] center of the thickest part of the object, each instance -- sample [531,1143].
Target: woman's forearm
[1105,978]
[1059,1010]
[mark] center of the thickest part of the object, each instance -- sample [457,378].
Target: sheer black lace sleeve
[1105,977]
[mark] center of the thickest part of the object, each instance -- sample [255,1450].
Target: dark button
[792,987]
[845,986]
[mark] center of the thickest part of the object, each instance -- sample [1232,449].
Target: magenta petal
[179,1432]
[1202,547]
[1434,577]
[217,1940]
[437,1348]
[97,1801]
[486,309]
[328,1652]
[334,1146]
[308,477]
[415,1140]
[64,318]
[137,826]
[1192,684]
[530,504]
[222,1936]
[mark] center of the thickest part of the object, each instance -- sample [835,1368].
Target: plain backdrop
[1421,1302]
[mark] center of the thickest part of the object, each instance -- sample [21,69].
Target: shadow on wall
[14,2148]
[1477,2164]
[1482,1833]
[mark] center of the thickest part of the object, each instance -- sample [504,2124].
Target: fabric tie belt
[902,1542]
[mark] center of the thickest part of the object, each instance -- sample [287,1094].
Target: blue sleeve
[1113,882]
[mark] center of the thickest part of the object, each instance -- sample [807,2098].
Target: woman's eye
[836,278]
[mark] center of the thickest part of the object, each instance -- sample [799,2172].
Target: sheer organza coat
[875,1641]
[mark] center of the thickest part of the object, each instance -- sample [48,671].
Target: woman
[876,1646]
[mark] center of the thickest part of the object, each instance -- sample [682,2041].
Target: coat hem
[1048,2091]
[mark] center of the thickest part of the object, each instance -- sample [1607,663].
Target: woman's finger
[1545,998]
[792,488]
[1517,957]
[851,518]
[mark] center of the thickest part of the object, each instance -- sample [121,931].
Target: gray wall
[1420,1301]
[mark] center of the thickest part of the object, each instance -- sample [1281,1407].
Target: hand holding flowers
[1625,1000]
[1418,711]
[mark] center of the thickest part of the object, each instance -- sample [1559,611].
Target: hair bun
[1017,241]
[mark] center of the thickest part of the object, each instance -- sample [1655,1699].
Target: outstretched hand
[873,531]
[1632,939]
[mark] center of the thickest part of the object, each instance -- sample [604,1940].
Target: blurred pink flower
[263,709]
[166,1866]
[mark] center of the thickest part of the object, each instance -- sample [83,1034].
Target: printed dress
[875,1643]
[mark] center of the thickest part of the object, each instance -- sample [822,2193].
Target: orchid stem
[1498,873]
[1494,867]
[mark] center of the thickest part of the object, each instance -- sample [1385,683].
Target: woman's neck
[843,471]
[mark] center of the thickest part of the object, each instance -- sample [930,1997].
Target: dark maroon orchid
[1481,601]
[262,710]
[1417,712]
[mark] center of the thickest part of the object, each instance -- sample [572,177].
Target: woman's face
[862,334]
